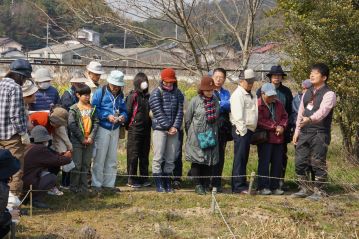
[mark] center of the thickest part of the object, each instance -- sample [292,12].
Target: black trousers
[270,164]
[311,152]
[242,146]
[202,170]
[218,168]
[177,171]
[138,149]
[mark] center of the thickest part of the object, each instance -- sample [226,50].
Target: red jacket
[265,120]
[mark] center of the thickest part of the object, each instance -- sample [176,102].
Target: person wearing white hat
[94,70]
[244,118]
[69,97]
[112,113]
[47,96]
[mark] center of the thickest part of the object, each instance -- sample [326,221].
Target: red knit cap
[168,75]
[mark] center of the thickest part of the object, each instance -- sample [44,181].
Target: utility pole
[176,32]
[124,39]
[47,33]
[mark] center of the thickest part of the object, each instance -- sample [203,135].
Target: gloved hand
[25,139]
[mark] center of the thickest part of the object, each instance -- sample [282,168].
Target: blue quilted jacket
[167,108]
[45,99]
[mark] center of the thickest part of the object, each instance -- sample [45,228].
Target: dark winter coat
[167,108]
[39,158]
[138,110]
[69,98]
[45,99]
[266,122]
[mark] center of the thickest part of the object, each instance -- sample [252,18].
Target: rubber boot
[167,183]
[158,182]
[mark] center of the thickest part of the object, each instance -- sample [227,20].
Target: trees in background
[327,31]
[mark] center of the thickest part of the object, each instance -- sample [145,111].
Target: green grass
[146,214]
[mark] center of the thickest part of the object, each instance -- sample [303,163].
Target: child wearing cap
[272,118]
[166,103]
[112,114]
[202,118]
[83,124]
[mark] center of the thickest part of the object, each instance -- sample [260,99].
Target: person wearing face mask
[112,114]
[38,159]
[13,120]
[47,95]
[139,132]
[272,118]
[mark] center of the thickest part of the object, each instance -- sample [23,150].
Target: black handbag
[260,136]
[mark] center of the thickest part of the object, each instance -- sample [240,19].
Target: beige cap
[42,75]
[29,88]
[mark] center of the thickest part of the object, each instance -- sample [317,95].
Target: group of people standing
[80,130]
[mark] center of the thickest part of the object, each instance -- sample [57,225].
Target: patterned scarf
[210,108]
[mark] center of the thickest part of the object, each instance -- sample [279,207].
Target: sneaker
[64,187]
[302,193]
[200,190]
[176,184]
[317,195]
[146,184]
[55,192]
[277,192]
[96,189]
[265,191]
[112,190]
[134,185]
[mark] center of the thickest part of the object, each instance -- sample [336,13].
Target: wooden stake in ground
[251,181]
[31,200]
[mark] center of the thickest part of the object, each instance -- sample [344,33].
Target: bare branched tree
[193,23]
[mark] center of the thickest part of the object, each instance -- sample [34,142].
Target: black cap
[22,67]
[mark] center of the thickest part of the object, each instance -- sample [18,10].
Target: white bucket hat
[95,67]
[78,77]
[116,78]
[29,88]
[42,75]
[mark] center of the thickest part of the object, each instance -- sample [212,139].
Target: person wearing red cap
[166,103]
[201,125]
